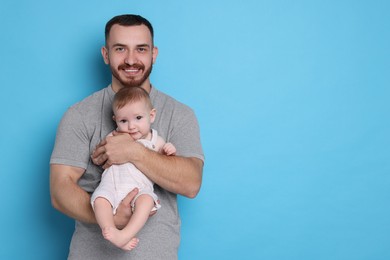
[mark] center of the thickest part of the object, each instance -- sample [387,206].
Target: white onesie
[118,180]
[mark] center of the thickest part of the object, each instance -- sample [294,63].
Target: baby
[133,114]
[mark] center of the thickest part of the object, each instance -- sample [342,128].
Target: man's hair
[128,20]
[130,95]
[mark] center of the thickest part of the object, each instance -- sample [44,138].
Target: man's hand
[124,212]
[112,150]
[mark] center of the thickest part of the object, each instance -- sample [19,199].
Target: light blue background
[293,102]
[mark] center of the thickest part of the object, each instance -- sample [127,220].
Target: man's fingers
[130,196]
[99,159]
[99,149]
[98,155]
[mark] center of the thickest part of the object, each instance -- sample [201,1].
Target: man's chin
[132,83]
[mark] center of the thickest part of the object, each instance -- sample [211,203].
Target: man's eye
[119,49]
[141,49]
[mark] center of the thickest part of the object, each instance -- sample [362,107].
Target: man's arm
[180,175]
[68,198]
[176,174]
[66,194]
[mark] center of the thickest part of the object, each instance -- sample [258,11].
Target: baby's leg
[103,213]
[125,238]
[105,219]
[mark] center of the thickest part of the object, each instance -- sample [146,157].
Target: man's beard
[132,82]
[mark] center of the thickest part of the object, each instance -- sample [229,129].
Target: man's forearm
[180,175]
[176,174]
[67,196]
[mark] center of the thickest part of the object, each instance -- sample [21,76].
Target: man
[78,152]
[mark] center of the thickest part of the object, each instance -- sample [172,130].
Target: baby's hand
[169,149]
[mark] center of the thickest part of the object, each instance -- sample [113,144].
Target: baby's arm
[169,149]
[165,148]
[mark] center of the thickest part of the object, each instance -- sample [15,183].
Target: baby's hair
[128,95]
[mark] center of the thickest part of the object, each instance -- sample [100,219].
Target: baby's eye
[139,117]
[123,121]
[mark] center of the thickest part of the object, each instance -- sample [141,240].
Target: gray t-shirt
[83,126]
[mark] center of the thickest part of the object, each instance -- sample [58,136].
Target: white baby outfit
[118,180]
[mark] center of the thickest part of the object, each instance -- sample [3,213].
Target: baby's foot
[131,245]
[118,238]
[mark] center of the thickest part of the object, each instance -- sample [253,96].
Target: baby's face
[135,119]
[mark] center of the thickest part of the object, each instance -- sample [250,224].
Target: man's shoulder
[95,97]
[91,102]
[162,99]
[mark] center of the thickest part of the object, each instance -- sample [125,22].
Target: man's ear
[154,53]
[105,55]
[152,115]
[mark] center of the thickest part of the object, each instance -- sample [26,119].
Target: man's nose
[131,58]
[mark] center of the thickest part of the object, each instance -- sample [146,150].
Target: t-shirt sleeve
[72,143]
[185,135]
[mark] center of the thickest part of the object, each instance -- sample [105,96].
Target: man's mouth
[132,70]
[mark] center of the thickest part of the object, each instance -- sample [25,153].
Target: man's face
[130,53]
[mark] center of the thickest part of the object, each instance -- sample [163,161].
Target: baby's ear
[152,115]
[113,117]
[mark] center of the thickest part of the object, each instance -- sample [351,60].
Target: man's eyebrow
[138,45]
[118,45]
[143,45]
